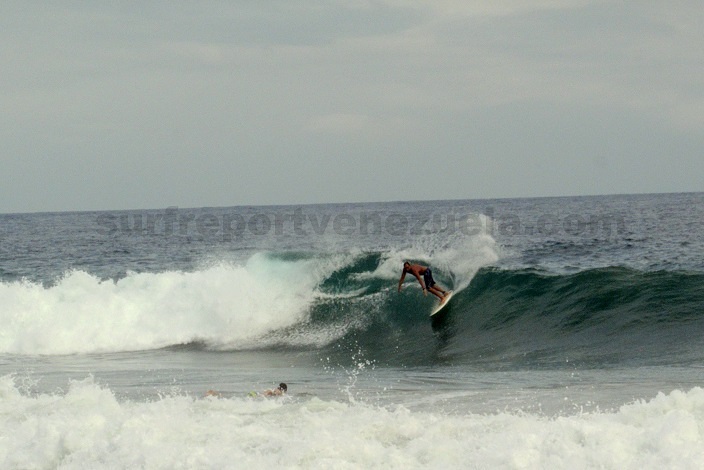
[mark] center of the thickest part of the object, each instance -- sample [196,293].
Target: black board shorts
[428,278]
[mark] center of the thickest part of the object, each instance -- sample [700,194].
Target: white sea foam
[223,306]
[87,427]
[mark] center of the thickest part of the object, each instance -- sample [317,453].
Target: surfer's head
[283,387]
[406,265]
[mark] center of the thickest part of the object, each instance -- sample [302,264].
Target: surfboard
[442,304]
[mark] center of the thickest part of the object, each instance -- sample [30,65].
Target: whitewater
[575,338]
[88,427]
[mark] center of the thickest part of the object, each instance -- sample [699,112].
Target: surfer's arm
[400,281]
[421,282]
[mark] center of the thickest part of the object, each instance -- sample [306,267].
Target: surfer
[426,282]
[277,392]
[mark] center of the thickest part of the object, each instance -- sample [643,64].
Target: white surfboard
[442,304]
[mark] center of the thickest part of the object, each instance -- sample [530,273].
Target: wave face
[596,317]
[334,304]
[522,318]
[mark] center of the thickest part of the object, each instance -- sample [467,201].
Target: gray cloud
[181,104]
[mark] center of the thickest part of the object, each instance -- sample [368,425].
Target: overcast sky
[133,105]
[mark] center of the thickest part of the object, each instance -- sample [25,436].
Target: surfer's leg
[437,293]
[431,284]
[440,289]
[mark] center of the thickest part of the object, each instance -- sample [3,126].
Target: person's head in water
[277,392]
[406,265]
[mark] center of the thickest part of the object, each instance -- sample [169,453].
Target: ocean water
[575,338]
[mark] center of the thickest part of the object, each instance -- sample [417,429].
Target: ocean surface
[575,338]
